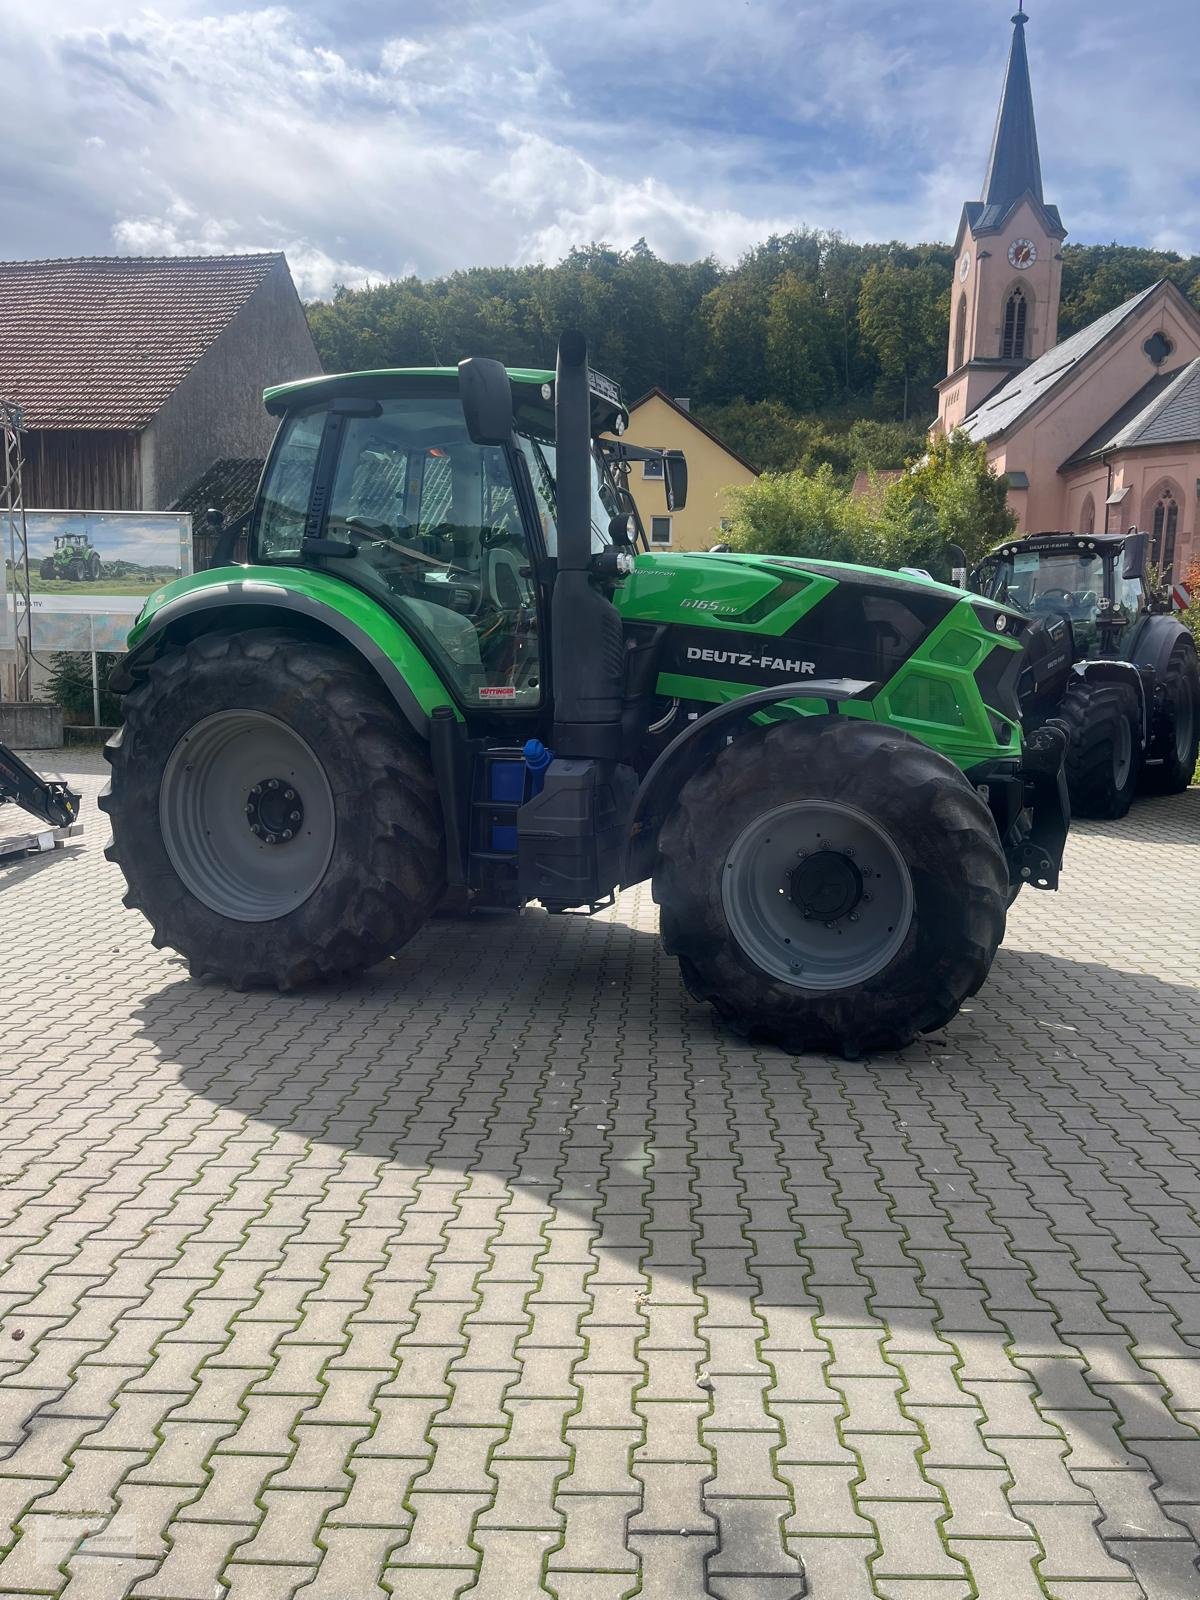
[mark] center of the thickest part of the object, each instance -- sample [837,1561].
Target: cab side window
[288,486]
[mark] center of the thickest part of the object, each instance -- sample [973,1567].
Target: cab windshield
[605,505]
[1069,583]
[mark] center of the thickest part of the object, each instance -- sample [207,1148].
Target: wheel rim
[1185,722]
[224,810]
[1122,753]
[817,894]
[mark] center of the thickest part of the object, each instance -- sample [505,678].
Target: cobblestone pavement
[507,1273]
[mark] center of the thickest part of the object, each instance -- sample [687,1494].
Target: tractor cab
[1096,582]
[401,485]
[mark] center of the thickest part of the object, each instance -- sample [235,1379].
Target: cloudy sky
[380,137]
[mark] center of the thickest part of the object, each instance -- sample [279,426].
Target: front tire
[275,821]
[873,941]
[1103,721]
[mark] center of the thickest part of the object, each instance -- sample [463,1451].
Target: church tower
[1008,264]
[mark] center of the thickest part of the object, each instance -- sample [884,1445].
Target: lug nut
[854,916]
[287,833]
[271,839]
[866,898]
[289,794]
[257,789]
[256,831]
[249,810]
[272,783]
[294,817]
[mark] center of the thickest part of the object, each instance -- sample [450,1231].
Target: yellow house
[658,422]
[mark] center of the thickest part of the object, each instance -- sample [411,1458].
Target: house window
[1087,517]
[653,468]
[960,332]
[1012,345]
[1166,525]
[660,530]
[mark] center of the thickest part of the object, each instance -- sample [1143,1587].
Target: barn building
[134,375]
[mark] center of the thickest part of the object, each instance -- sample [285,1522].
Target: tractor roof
[532,387]
[1038,544]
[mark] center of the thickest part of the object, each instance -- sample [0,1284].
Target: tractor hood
[749,619]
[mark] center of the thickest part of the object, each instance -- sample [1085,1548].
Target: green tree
[956,487]
[801,514]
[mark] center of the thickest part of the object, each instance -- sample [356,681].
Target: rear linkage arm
[48,798]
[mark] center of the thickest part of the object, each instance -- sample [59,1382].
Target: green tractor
[447,667]
[1105,660]
[73,558]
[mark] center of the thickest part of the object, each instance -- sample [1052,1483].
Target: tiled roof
[1164,411]
[229,485]
[1009,404]
[101,341]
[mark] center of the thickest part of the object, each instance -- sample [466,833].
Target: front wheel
[832,885]
[1104,750]
[275,821]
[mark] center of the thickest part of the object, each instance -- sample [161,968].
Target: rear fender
[700,740]
[241,602]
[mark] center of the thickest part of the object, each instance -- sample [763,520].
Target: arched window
[1012,343]
[1163,531]
[1087,517]
[960,332]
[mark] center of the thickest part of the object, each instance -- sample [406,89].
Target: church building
[1100,432]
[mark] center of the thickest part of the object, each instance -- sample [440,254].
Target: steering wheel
[363,527]
[1057,594]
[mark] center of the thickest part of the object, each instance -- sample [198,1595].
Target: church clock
[964,266]
[1022,253]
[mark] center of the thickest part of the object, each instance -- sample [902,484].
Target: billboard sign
[91,571]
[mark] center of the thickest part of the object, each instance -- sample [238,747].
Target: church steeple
[1008,258]
[1013,167]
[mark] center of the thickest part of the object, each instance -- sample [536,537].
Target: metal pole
[95,676]
[12,506]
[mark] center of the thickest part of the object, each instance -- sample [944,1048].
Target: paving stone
[413,1286]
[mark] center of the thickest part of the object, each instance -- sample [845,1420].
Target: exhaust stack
[588,653]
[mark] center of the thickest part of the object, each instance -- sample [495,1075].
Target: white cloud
[372,143]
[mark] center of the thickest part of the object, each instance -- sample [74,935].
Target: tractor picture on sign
[72,558]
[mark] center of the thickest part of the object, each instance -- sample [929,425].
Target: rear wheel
[1104,752]
[832,885]
[274,820]
[1177,723]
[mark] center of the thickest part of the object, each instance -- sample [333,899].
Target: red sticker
[500,692]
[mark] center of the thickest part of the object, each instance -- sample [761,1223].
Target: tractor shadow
[578,1034]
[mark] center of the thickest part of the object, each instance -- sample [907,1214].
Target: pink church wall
[1060,425]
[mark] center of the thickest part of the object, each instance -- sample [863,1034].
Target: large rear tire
[832,885]
[1176,732]
[275,821]
[1104,752]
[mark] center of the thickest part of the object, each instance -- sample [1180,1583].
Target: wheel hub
[817,894]
[274,811]
[826,884]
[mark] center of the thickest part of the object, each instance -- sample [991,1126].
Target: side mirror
[486,397]
[675,476]
[1136,550]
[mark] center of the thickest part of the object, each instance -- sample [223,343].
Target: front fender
[311,601]
[700,740]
